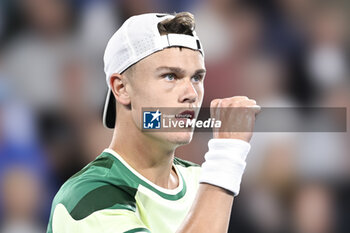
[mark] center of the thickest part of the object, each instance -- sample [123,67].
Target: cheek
[155,92]
[200,91]
[146,94]
[140,90]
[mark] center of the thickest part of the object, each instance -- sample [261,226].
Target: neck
[146,155]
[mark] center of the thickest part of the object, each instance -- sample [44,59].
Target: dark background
[283,53]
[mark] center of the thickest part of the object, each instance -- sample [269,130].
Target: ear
[118,85]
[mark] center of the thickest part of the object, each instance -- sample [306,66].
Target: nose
[188,93]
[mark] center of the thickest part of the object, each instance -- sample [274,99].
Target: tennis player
[137,185]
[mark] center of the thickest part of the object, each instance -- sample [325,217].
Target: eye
[197,78]
[169,77]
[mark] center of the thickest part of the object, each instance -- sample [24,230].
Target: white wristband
[225,163]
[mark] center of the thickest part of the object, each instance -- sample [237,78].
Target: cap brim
[109,111]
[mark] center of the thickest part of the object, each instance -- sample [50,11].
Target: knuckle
[214,102]
[252,101]
[241,97]
[225,101]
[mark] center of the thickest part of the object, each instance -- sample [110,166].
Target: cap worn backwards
[136,39]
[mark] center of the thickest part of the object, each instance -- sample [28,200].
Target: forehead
[184,58]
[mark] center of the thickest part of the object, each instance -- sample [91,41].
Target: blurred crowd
[282,53]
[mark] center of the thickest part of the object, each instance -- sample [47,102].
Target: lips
[187,114]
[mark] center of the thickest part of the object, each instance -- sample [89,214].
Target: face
[172,78]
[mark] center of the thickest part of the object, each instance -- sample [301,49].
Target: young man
[136,185]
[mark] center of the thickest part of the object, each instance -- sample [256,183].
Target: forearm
[220,181]
[210,211]
[223,167]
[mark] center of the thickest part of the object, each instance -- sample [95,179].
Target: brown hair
[182,23]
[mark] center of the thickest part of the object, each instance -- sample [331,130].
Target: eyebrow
[179,70]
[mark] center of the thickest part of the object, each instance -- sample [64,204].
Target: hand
[237,116]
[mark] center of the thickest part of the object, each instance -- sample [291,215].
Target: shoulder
[184,163]
[189,171]
[96,187]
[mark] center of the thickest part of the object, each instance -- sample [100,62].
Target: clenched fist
[237,116]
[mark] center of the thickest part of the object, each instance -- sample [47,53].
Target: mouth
[187,114]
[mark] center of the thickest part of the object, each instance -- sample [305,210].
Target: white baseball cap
[136,39]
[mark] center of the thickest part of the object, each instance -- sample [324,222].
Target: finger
[213,107]
[214,103]
[245,102]
[241,97]
[217,109]
[256,108]
[253,101]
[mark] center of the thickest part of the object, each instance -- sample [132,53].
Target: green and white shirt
[110,196]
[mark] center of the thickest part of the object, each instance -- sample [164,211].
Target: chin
[173,139]
[179,138]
